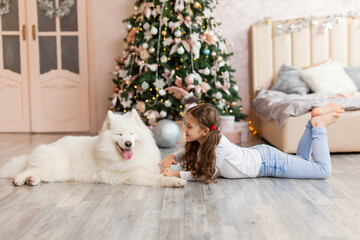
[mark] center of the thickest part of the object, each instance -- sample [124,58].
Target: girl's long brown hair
[201,159]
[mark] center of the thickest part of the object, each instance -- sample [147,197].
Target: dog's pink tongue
[128,153]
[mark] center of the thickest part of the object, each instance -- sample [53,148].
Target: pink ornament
[189,79]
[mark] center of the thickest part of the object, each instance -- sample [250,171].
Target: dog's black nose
[128,143]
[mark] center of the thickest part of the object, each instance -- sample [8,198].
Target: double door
[43,69]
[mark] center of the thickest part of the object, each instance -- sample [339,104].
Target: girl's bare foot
[328,108]
[324,120]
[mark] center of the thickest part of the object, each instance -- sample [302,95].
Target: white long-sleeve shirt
[232,161]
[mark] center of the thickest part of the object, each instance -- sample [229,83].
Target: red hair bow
[213,128]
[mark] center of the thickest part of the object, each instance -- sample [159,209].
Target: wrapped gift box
[233,136]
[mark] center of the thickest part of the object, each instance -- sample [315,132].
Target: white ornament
[145,45]
[236,88]
[218,95]
[159,83]
[129,26]
[162,92]
[168,41]
[144,85]
[152,50]
[177,33]
[146,26]
[163,114]
[189,79]
[153,31]
[126,104]
[207,71]
[167,103]
[180,50]
[171,24]
[164,59]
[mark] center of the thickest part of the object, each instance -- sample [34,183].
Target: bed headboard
[300,48]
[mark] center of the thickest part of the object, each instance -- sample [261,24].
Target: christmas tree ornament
[145,45]
[154,31]
[164,59]
[180,50]
[171,24]
[131,47]
[233,104]
[144,54]
[140,106]
[219,59]
[163,113]
[206,52]
[236,88]
[144,85]
[177,33]
[189,79]
[151,50]
[162,92]
[146,26]
[159,83]
[218,95]
[188,18]
[129,26]
[166,133]
[196,5]
[207,71]
[167,103]
[213,54]
[163,33]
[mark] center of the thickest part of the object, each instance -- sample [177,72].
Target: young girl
[209,154]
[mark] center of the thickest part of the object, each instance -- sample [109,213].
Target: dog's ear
[108,120]
[135,116]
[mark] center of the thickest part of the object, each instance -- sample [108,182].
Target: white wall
[236,17]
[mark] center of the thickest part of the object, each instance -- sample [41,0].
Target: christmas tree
[173,48]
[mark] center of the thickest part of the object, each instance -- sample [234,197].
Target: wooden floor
[264,208]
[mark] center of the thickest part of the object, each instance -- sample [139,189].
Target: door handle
[23,32]
[33,32]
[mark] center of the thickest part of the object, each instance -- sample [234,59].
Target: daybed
[301,48]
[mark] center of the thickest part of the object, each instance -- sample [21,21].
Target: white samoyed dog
[124,152]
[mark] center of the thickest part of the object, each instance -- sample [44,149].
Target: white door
[55,51]
[14,88]
[59,91]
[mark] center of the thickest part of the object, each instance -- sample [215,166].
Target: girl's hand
[167,161]
[168,172]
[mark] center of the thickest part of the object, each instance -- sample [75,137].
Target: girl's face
[193,131]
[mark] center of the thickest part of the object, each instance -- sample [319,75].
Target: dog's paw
[33,180]
[18,181]
[174,182]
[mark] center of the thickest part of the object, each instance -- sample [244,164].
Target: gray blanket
[271,104]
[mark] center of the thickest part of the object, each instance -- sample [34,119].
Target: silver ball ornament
[180,50]
[167,103]
[164,59]
[163,113]
[177,33]
[166,133]
[145,45]
[236,88]
[129,26]
[151,50]
[153,31]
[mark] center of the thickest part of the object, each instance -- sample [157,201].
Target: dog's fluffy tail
[14,166]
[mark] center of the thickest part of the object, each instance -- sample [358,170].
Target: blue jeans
[282,165]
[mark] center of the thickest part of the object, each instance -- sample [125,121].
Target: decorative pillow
[328,79]
[354,73]
[289,81]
